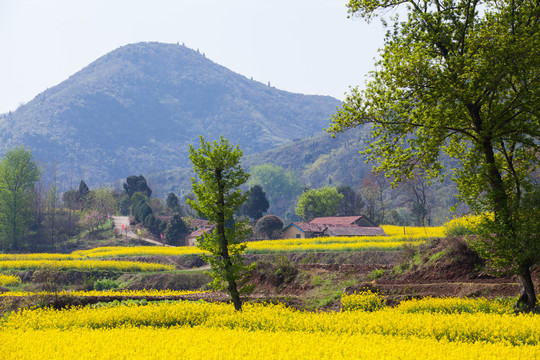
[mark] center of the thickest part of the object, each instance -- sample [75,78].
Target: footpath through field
[121,226]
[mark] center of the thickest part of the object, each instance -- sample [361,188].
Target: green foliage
[512,250]
[136,184]
[459,80]
[81,197]
[285,272]
[220,175]
[18,174]
[105,284]
[281,187]
[173,203]
[175,230]
[376,274]
[318,202]
[256,204]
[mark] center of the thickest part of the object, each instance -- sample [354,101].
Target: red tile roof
[309,227]
[354,231]
[336,220]
[199,232]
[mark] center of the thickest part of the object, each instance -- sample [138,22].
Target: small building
[333,226]
[359,220]
[192,238]
[354,231]
[300,230]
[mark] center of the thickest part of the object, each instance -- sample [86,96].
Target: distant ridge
[136,109]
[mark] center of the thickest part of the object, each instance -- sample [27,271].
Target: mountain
[136,109]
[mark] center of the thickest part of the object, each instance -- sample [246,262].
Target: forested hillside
[136,109]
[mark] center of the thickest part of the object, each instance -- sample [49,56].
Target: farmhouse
[333,226]
[192,238]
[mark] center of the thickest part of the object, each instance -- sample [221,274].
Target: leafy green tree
[172,202]
[18,174]
[81,198]
[220,175]
[175,231]
[281,186]
[459,78]
[257,203]
[318,202]
[136,184]
[103,201]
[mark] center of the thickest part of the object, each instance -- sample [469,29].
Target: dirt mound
[446,259]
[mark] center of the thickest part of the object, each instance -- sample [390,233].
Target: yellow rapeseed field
[199,330]
[84,265]
[101,293]
[9,280]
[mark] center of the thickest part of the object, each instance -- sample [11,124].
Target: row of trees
[414,201]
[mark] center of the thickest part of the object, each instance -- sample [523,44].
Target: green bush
[105,284]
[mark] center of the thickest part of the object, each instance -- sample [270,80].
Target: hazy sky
[306,46]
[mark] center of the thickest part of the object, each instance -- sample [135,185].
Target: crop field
[105,293]
[83,265]
[430,329]
[397,237]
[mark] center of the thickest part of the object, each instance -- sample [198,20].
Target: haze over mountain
[136,109]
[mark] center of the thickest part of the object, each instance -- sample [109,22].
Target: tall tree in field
[18,174]
[460,78]
[220,175]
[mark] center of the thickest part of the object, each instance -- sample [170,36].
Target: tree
[219,173]
[172,202]
[418,196]
[269,227]
[459,78]
[18,174]
[256,204]
[81,198]
[318,202]
[175,231]
[103,201]
[281,186]
[351,204]
[135,184]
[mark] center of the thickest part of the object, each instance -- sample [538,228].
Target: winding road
[126,230]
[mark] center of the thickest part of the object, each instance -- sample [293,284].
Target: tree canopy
[257,203]
[135,184]
[458,78]
[18,174]
[318,202]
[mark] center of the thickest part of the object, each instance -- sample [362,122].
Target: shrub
[105,284]
[466,225]
[363,301]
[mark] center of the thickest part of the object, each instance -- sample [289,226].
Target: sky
[303,46]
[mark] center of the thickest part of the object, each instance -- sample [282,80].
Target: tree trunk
[228,266]
[233,289]
[527,298]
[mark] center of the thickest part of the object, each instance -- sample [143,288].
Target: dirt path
[121,226]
